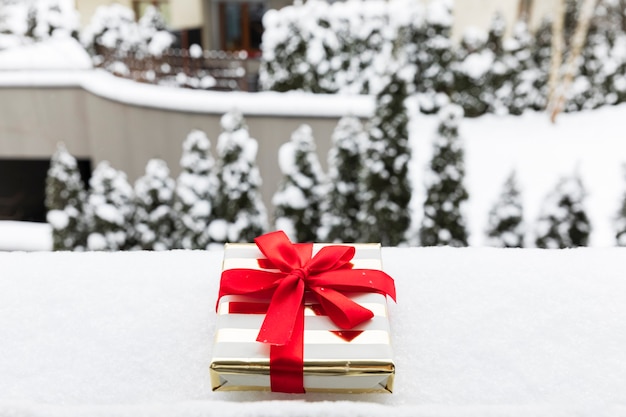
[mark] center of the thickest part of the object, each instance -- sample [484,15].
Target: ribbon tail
[278,325]
[287,361]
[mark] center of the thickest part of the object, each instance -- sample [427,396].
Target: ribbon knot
[301,273]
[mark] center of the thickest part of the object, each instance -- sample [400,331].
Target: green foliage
[443,222]
[65,202]
[386,216]
[506,227]
[300,193]
[343,200]
[563,222]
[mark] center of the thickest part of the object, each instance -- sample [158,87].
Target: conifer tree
[620,222]
[154,216]
[65,202]
[387,191]
[110,210]
[300,193]
[443,222]
[240,214]
[506,228]
[522,72]
[196,191]
[342,202]
[563,222]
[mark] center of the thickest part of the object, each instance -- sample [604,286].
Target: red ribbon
[327,275]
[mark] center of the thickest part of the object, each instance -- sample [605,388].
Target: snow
[476,332]
[58,53]
[25,236]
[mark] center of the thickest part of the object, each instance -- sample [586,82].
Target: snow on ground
[476,332]
[25,236]
[58,53]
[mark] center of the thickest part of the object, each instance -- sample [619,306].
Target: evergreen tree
[65,202]
[443,222]
[563,222]
[342,202]
[300,193]
[506,227]
[541,51]
[522,72]
[387,191]
[154,217]
[110,210]
[620,222]
[240,214]
[196,191]
[435,81]
[472,77]
[499,84]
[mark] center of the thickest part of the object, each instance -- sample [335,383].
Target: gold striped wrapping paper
[331,364]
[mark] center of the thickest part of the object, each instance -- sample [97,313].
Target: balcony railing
[208,70]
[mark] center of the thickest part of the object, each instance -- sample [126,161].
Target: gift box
[302,318]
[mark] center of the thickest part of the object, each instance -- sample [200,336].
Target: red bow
[326,275]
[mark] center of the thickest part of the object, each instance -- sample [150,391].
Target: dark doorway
[23,187]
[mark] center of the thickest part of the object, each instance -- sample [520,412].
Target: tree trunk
[571,65]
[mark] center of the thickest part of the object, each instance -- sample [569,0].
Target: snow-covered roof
[476,332]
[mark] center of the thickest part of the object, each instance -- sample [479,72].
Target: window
[241,26]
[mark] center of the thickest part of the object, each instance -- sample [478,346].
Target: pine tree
[196,191]
[300,193]
[443,222]
[506,227]
[522,72]
[342,202]
[240,214]
[435,81]
[110,210]
[387,191]
[154,216]
[563,222]
[65,202]
[620,222]
[541,50]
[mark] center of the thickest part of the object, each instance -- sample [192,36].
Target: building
[237,24]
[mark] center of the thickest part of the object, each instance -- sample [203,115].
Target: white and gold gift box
[332,363]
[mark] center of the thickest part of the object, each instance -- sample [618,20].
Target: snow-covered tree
[301,191]
[541,51]
[114,27]
[52,17]
[154,216]
[563,221]
[110,209]
[620,221]
[65,202]
[435,81]
[506,227]
[239,214]
[196,191]
[341,208]
[387,190]
[444,223]
[472,75]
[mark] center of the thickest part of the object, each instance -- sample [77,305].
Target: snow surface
[25,236]
[476,332]
[58,53]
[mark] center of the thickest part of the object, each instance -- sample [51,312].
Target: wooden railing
[210,70]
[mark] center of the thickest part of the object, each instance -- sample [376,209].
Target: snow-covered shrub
[444,223]
[239,214]
[563,221]
[196,190]
[387,190]
[301,191]
[506,227]
[38,19]
[114,27]
[65,202]
[341,208]
[110,209]
[153,219]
